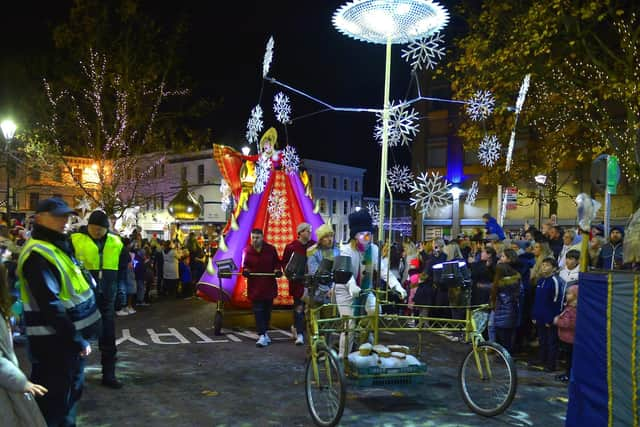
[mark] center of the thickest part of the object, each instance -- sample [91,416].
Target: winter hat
[302,227]
[100,218]
[414,263]
[323,231]
[359,221]
[618,228]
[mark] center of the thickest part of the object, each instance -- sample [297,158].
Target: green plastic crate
[374,376]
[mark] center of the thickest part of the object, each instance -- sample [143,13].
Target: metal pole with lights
[8,130]
[389,22]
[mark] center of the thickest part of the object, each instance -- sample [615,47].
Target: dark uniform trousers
[63,377]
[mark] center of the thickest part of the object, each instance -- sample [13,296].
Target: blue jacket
[610,257]
[493,227]
[548,302]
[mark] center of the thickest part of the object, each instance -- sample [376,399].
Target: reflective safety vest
[75,294]
[88,253]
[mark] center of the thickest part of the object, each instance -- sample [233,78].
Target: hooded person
[493,230]
[351,296]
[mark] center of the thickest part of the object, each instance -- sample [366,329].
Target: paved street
[177,373]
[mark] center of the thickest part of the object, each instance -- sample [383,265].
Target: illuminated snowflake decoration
[277,204]
[268,57]
[84,205]
[254,125]
[290,160]
[429,191]
[424,52]
[399,178]
[403,125]
[282,108]
[472,194]
[225,192]
[489,150]
[481,105]
[263,172]
[374,212]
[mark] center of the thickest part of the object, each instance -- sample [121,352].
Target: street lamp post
[455,211]
[541,180]
[8,130]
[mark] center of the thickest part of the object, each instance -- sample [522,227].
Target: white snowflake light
[429,191]
[424,52]
[489,151]
[403,125]
[84,204]
[254,125]
[263,172]
[481,105]
[277,204]
[399,178]
[290,160]
[225,192]
[472,194]
[375,214]
[282,108]
[268,57]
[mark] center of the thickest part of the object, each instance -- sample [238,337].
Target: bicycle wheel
[326,393]
[488,379]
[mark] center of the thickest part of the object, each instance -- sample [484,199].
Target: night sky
[223,56]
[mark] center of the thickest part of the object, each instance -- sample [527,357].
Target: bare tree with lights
[112,123]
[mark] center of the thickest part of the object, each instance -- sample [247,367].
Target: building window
[34,198]
[334,207]
[345,207]
[200,174]
[334,183]
[437,157]
[356,186]
[323,181]
[345,185]
[77,174]
[323,206]
[183,174]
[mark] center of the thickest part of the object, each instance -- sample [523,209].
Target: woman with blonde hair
[18,407]
[541,250]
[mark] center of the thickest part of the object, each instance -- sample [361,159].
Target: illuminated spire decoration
[268,57]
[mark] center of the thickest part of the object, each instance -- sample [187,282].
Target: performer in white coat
[351,296]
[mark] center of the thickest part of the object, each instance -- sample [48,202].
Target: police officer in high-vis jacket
[60,312]
[100,252]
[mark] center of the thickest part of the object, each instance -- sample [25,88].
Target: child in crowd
[547,305]
[566,324]
[185,277]
[569,273]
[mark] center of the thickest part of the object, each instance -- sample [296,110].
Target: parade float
[269,192]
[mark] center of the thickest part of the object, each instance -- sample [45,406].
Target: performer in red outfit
[261,266]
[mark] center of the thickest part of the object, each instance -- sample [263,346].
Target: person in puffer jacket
[505,294]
